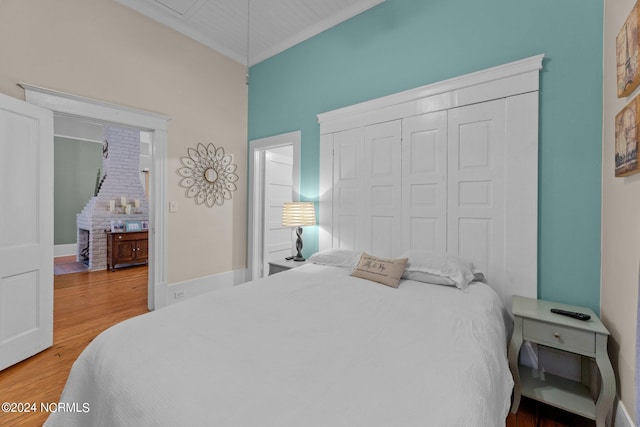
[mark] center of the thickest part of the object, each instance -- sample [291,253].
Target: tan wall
[620,224]
[102,50]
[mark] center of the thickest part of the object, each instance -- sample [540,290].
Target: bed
[448,169]
[312,346]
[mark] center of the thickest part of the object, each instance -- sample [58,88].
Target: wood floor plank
[85,304]
[536,414]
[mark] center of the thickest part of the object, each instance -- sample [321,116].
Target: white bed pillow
[441,269]
[336,258]
[421,276]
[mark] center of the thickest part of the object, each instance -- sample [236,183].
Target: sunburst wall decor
[208,175]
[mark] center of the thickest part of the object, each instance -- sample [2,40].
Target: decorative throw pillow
[385,271]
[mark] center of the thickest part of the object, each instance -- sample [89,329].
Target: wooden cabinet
[127,248]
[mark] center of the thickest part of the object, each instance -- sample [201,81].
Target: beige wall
[102,50]
[620,224]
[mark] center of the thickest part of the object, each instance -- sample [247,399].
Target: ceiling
[275,25]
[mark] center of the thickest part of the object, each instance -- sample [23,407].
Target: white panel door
[424,182]
[278,183]
[347,189]
[477,186]
[26,230]
[382,153]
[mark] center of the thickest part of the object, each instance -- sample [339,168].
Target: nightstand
[535,323]
[280,265]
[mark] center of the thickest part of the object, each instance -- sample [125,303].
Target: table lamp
[298,214]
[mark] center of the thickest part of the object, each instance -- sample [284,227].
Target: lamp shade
[298,214]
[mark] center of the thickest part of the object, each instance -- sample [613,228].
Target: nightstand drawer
[561,337]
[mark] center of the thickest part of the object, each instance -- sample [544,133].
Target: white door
[26,230]
[347,189]
[477,208]
[424,182]
[382,156]
[288,143]
[278,188]
[367,198]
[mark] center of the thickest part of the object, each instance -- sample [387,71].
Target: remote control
[575,315]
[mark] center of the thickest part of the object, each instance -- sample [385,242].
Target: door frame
[62,103]
[255,225]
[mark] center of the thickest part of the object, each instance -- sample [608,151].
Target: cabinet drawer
[128,236]
[561,337]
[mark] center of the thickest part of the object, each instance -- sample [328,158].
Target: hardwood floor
[86,303]
[536,414]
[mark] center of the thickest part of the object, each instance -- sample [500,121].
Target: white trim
[497,82]
[521,185]
[65,250]
[176,292]
[325,198]
[622,419]
[78,106]
[254,226]
[75,138]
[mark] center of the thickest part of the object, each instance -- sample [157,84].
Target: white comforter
[307,347]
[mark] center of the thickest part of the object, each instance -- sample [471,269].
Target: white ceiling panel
[271,26]
[178,6]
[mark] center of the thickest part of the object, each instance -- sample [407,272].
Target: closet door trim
[503,81]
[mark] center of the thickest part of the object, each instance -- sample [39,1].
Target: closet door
[367,195]
[382,220]
[424,182]
[476,175]
[347,191]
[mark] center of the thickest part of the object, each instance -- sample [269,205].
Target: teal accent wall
[76,165]
[402,44]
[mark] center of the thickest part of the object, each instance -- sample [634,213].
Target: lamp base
[298,256]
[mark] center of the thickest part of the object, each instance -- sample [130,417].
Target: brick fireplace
[121,166]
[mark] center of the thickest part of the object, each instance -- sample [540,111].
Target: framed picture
[133,226]
[626,156]
[627,54]
[145,225]
[117,226]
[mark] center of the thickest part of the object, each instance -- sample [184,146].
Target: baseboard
[622,419]
[65,250]
[175,292]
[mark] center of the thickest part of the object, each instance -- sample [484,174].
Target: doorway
[274,176]
[68,105]
[81,166]
[78,173]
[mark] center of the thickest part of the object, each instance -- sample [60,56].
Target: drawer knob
[556,334]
